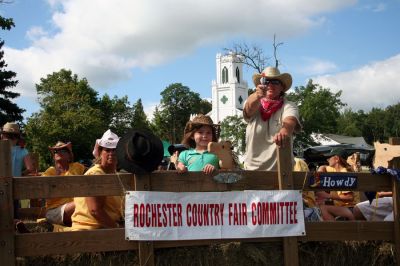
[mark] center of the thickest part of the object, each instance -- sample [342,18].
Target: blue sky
[139,47]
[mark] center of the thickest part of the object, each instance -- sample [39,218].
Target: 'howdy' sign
[329,180]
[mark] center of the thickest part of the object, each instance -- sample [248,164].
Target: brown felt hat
[204,120]
[139,151]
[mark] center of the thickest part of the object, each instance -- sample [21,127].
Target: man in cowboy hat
[271,119]
[19,156]
[59,210]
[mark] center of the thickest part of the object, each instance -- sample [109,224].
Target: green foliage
[351,123]
[176,105]
[70,112]
[319,110]
[233,128]
[139,118]
[6,23]
[116,113]
[9,111]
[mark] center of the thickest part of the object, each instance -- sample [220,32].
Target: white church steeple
[229,90]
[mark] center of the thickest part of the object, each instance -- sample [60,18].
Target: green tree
[178,102]
[117,113]
[139,118]
[9,111]
[319,110]
[351,123]
[233,128]
[69,112]
[393,120]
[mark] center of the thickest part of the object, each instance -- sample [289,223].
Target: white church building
[229,90]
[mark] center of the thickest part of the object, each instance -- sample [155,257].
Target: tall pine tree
[9,111]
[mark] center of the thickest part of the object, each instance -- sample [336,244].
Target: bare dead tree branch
[252,56]
[276,45]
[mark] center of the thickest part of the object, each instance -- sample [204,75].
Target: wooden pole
[146,248]
[285,178]
[7,245]
[396,201]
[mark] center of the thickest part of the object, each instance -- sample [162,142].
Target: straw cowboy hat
[139,151]
[204,120]
[61,145]
[273,73]
[11,128]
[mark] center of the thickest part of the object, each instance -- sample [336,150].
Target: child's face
[202,137]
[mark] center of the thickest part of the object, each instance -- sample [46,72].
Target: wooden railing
[14,245]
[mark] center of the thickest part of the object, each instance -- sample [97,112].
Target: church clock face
[224,99]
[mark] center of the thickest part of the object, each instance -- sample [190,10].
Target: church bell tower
[229,90]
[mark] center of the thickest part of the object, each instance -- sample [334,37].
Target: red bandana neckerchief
[269,107]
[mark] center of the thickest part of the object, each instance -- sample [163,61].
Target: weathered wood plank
[7,256]
[69,186]
[146,248]
[285,179]
[342,231]
[38,244]
[395,163]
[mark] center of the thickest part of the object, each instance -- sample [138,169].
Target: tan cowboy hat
[201,120]
[273,73]
[11,128]
[61,145]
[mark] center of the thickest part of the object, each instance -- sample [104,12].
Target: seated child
[197,134]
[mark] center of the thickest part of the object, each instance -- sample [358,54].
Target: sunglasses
[61,151]
[9,136]
[108,150]
[265,81]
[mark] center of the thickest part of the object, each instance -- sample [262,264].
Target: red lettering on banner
[204,214]
[164,221]
[188,210]
[153,215]
[272,212]
[284,212]
[157,215]
[239,213]
[281,205]
[135,215]
[288,219]
[148,219]
[141,215]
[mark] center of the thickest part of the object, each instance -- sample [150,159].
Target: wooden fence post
[146,248]
[396,201]
[285,177]
[7,245]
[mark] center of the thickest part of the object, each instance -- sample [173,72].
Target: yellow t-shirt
[356,194]
[308,196]
[113,206]
[74,169]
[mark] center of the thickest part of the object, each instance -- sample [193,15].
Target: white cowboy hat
[109,140]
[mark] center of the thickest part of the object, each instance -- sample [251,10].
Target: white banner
[154,216]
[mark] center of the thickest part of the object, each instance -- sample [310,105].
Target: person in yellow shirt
[59,210]
[101,211]
[346,199]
